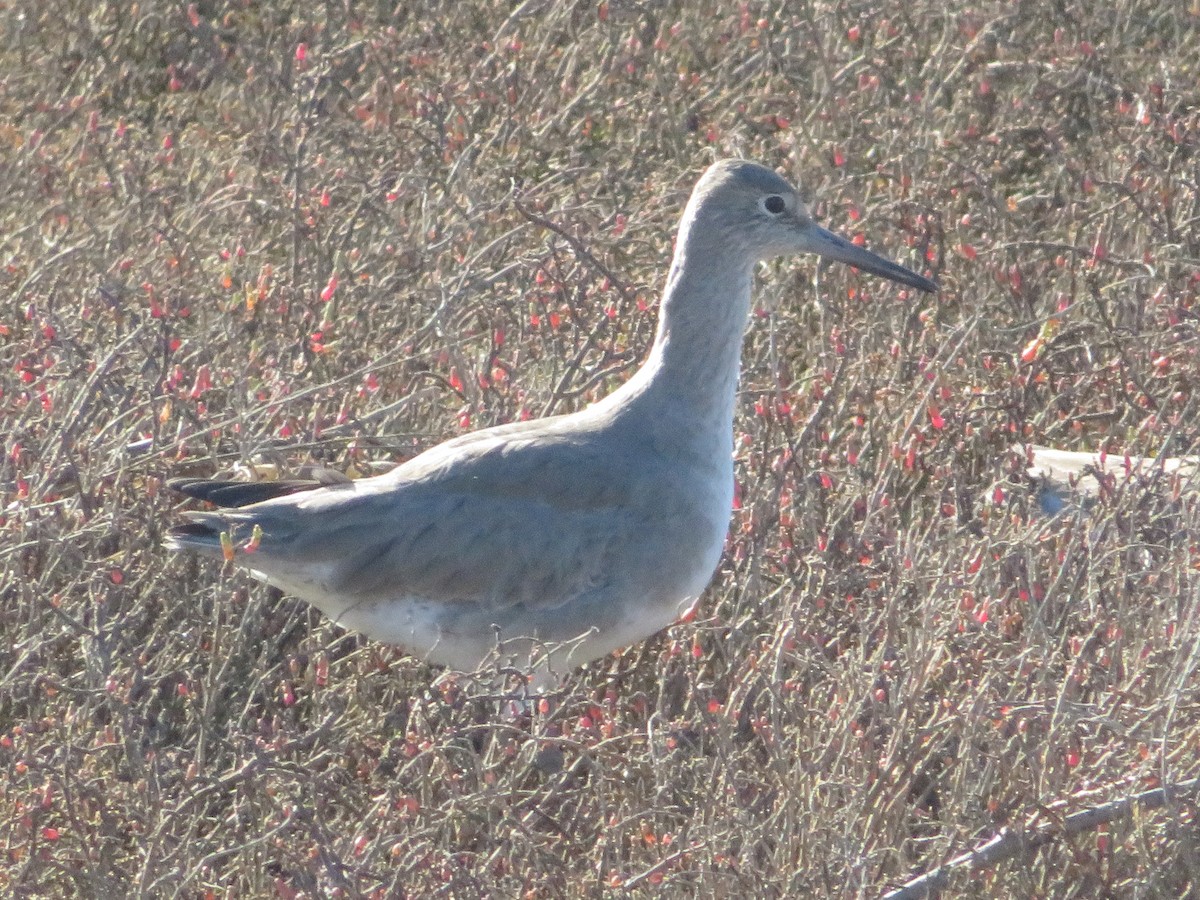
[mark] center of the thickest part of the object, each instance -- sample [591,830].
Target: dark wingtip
[232,494]
[196,536]
[193,530]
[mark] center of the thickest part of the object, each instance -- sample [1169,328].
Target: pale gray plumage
[578,534]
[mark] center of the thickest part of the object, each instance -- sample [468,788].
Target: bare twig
[1007,844]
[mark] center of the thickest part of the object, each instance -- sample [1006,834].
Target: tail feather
[202,531]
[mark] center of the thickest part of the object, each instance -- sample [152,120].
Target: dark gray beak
[826,244]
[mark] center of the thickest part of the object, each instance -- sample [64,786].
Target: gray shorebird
[555,541]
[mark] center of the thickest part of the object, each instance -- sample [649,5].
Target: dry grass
[890,665]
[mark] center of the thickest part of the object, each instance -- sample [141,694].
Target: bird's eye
[774,204]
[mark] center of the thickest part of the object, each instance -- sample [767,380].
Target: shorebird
[554,541]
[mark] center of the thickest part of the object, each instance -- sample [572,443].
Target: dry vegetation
[343,231]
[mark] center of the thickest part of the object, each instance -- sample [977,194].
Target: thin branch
[1008,844]
[578,247]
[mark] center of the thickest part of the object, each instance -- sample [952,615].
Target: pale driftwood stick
[1007,843]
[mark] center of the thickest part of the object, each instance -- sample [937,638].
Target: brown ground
[890,665]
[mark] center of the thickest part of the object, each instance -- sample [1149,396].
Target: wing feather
[496,522]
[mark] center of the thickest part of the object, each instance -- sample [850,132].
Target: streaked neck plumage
[693,367]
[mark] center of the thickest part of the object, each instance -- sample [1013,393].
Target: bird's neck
[694,364]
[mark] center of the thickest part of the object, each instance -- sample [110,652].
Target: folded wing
[497,520]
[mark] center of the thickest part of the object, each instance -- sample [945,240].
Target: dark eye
[774,204]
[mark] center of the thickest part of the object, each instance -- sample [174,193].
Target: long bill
[826,244]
